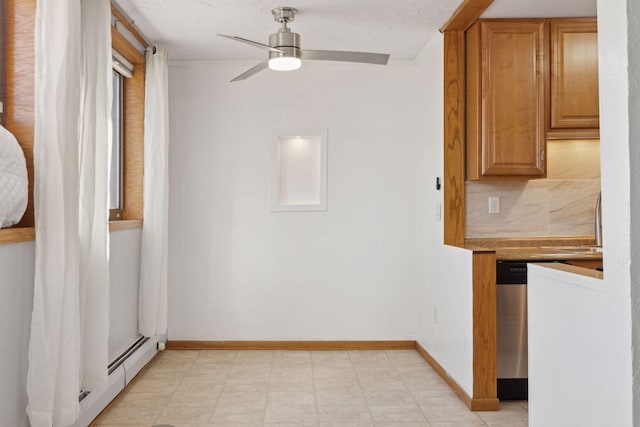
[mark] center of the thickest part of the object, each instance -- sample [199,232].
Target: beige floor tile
[410,371]
[292,384]
[449,413]
[337,384]
[460,424]
[142,400]
[368,355]
[130,416]
[508,424]
[419,424]
[290,414]
[218,355]
[292,370]
[344,413]
[425,383]
[152,385]
[249,372]
[184,415]
[334,371]
[347,425]
[509,412]
[298,388]
[203,384]
[296,424]
[189,399]
[123,425]
[256,385]
[397,414]
[179,354]
[340,397]
[242,398]
[172,364]
[237,414]
[218,372]
[233,425]
[375,384]
[376,373]
[291,398]
[204,362]
[252,357]
[292,357]
[389,397]
[330,355]
[296,376]
[435,397]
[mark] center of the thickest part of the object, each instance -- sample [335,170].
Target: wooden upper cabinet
[506,108]
[574,77]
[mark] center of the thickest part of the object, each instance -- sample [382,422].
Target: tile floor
[297,388]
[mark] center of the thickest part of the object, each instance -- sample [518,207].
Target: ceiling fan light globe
[285,63]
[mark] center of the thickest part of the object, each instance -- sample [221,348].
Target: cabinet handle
[542,155]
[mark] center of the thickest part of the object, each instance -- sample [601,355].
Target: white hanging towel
[14,183]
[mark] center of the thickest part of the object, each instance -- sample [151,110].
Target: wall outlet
[438,211]
[494,205]
[435,316]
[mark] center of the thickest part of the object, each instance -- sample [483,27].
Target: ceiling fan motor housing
[286,41]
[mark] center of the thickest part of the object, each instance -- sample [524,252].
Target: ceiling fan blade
[344,56]
[252,43]
[251,71]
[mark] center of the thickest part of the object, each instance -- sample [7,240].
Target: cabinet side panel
[473,104]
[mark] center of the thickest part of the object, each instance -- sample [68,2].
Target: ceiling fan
[285,53]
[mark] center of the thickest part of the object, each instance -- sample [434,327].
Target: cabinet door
[506,99]
[574,74]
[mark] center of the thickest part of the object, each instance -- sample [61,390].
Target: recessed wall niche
[299,170]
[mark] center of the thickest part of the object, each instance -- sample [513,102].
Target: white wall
[16,302]
[445,298]
[238,271]
[579,371]
[601,367]
[633,19]
[124,279]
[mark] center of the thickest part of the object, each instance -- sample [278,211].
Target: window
[122,70]
[115,182]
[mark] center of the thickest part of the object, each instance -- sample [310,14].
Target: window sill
[16,235]
[27,234]
[125,224]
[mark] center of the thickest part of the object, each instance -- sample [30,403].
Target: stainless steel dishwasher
[512,339]
[512,351]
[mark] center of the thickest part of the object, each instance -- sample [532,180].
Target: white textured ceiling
[399,27]
[188,27]
[540,8]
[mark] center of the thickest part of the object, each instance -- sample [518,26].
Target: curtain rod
[128,21]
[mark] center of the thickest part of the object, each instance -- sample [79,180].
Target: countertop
[545,254]
[539,249]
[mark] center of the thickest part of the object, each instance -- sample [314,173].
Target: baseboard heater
[121,371]
[128,352]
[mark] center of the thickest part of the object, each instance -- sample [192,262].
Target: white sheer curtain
[95,156]
[70,200]
[152,312]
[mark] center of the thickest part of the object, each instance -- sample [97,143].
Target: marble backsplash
[563,204]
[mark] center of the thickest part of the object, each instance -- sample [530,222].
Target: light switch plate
[494,205]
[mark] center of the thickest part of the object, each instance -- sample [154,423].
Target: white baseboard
[95,402]
[139,359]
